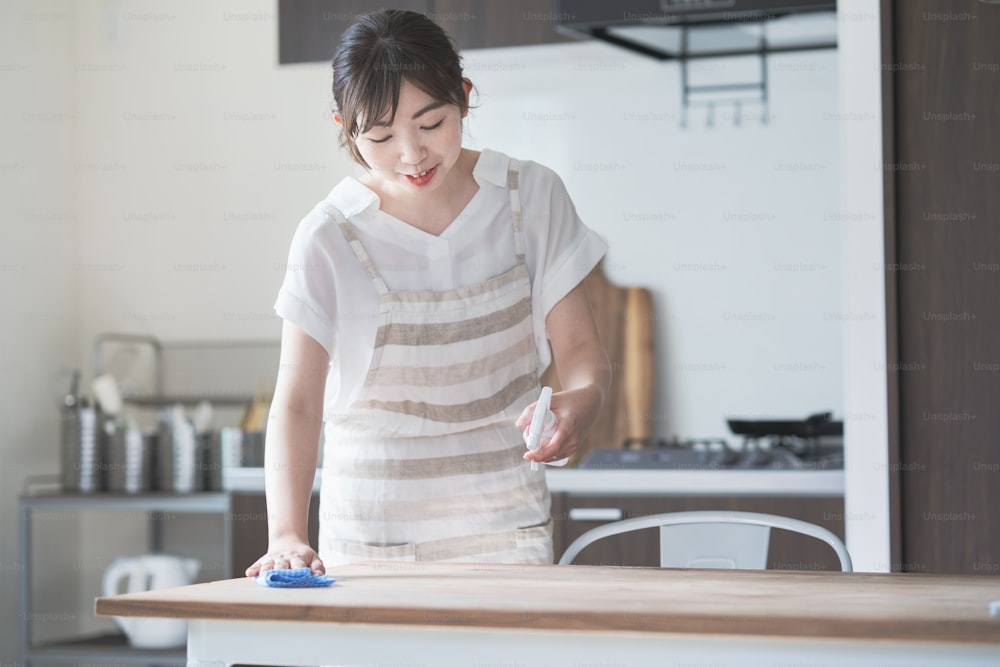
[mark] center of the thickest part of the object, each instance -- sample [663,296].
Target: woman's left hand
[577,411]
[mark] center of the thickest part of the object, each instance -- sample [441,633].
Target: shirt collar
[491,167]
[353,198]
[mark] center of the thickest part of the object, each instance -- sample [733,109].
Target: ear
[467,87]
[338,118]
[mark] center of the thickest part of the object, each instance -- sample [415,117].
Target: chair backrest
[712,539]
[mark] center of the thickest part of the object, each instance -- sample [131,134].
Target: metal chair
[712,539]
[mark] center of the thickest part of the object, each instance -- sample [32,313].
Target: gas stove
[815,443]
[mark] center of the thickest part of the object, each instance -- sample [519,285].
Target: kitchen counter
[461,614]
[643,482]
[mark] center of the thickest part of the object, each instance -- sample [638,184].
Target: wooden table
[463,614]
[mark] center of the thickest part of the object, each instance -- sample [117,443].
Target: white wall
[206,154]
[39,296]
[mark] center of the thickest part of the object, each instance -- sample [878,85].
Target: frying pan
[812,426]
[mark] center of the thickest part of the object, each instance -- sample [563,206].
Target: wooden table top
[910,607]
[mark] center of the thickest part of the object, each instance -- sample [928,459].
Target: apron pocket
[534,544]
[353,552]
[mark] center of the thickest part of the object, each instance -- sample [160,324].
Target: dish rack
[153,373]
[234,377]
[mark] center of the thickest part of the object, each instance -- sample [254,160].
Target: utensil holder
[178,459]
[81,451]
[129,466]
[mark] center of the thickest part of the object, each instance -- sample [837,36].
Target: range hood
[683,29]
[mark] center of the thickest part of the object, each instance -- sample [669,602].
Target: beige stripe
[428,468]
[348,445]
[513,275]
[512,179]
[465,351]
[453,332]
[426,312]
[466,507]
[467,546]
[453,394]
[463,412]
[438,376]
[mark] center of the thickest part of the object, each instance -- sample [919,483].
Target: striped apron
[426,464]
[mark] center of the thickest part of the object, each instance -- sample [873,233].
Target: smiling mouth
[422,177]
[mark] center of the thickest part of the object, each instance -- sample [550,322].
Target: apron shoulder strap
[513,183]
[357,247]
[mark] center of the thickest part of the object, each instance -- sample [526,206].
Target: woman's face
[417,151]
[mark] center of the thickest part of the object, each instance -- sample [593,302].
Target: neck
[434,211]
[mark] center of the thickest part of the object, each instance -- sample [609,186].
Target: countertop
[894,607]
[821,483]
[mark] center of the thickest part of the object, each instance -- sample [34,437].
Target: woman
[416,307]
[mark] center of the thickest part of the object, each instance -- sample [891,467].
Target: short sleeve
[561,249]
[307,297]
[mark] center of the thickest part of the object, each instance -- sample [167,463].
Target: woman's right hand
[285,556]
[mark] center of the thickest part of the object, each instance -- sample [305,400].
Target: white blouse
[327,293]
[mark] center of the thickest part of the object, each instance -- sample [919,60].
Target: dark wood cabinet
[308,30]
[788,551]
[941,96]
[249,528]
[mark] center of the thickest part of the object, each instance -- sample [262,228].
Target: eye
[434,126]
[380,141]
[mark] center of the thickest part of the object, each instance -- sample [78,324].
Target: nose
[411,149]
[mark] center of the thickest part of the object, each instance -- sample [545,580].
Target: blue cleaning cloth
[298,578]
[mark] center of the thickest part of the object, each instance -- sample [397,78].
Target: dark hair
[376,54]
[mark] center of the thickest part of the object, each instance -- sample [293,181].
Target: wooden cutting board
[908,607]
[624,317]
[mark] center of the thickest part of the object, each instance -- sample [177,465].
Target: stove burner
[714,454]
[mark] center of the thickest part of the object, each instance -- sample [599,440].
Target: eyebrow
[430,107]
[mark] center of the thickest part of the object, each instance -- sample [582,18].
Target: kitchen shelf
[109,649]
[207,502]
[148,401]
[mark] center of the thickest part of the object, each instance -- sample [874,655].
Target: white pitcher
[146,573]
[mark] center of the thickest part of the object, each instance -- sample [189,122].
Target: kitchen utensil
[255,417]
[813,426]
[107,394]
[145,573]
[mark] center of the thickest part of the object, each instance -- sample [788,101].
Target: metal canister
[231,446]
[178,456]
[253,449]
[81,453]
[210,443]
[129,462]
